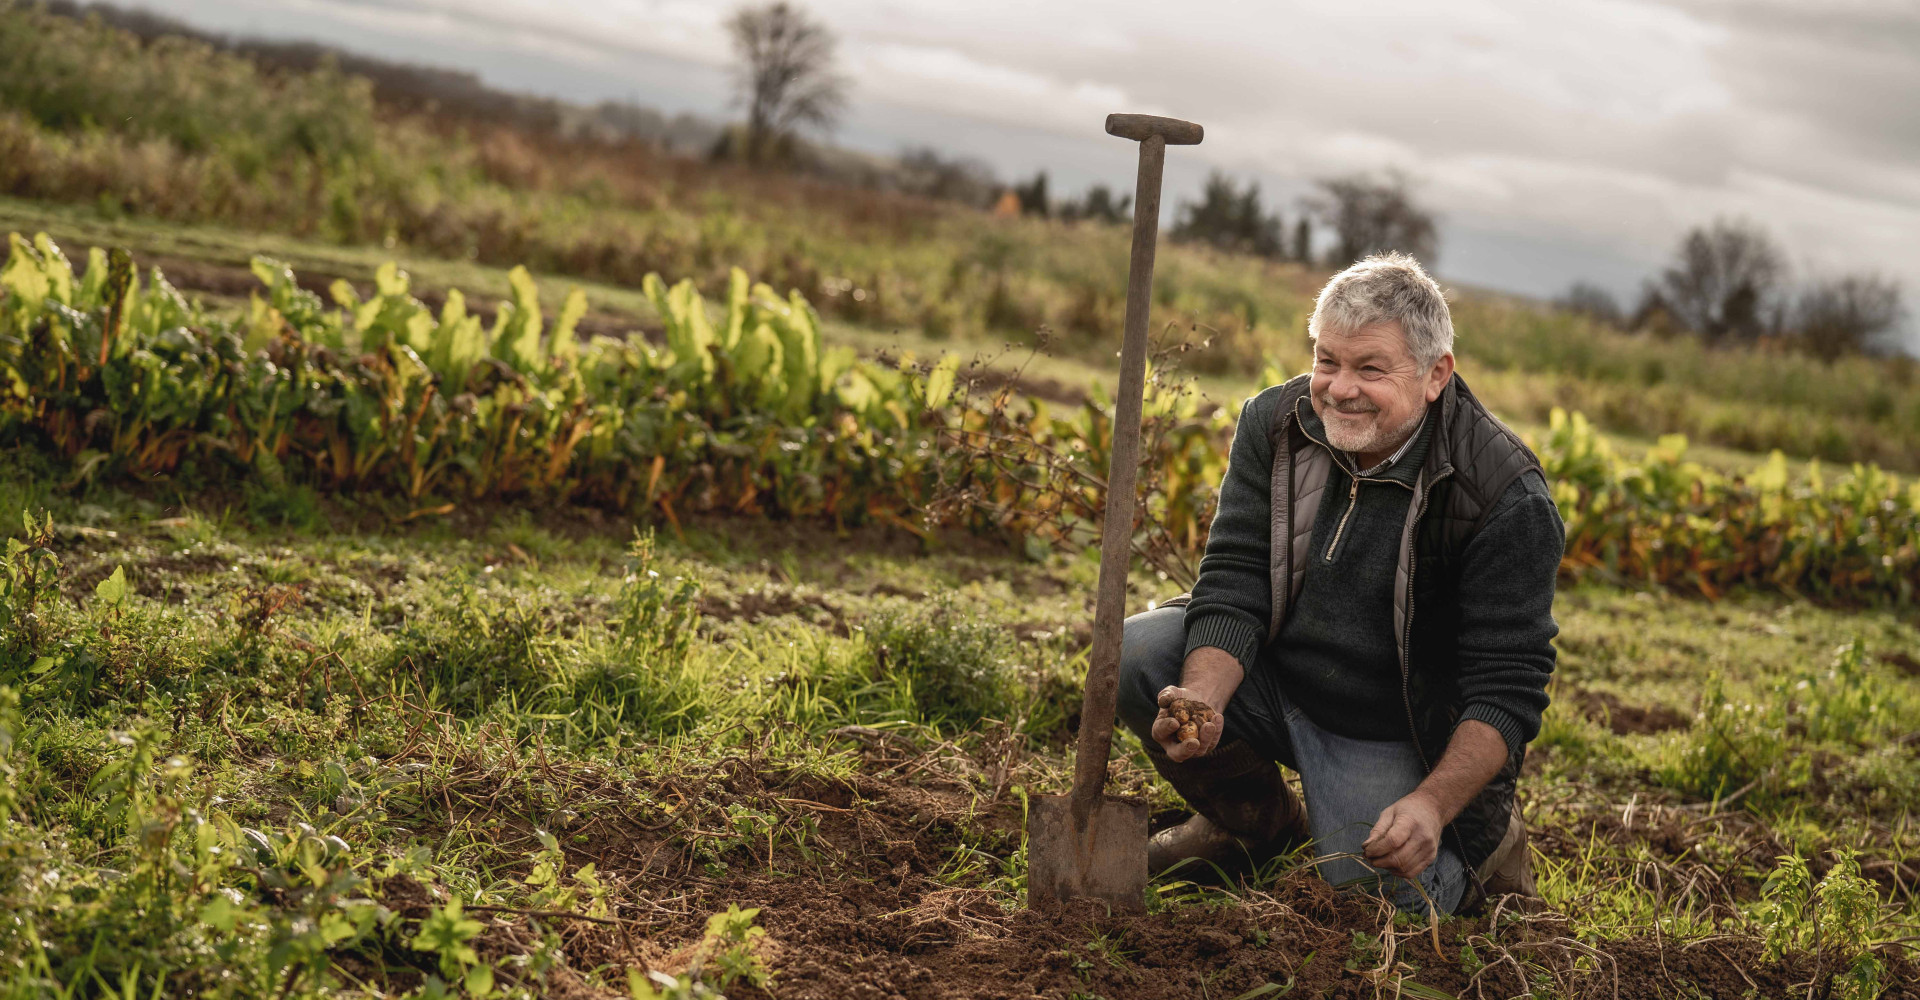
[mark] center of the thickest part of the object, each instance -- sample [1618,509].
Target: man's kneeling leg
[1244,813]
[1348,782]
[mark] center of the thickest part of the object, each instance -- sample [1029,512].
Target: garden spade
[1085,844]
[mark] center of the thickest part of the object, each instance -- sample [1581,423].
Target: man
[1374,610]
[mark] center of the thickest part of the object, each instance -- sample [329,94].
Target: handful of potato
[1191,715]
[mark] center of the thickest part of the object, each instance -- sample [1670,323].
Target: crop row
[743,409]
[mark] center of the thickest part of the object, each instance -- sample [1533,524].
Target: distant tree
[1033,196]
[925,171]
[1303,240]
[1724,282]
[1594,302]
[1370,216]
[1847,315]
[784,75]
[1099,205]
[1230,218]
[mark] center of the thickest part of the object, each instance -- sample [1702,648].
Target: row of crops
[742,409]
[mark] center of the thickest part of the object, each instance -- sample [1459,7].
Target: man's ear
[1437,377]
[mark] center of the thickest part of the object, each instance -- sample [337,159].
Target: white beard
[1369,438]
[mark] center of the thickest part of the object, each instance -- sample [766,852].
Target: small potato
[1191,715]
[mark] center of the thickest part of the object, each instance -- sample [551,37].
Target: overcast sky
[1575,139]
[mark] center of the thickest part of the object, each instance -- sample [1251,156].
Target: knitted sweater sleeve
[1506,653]
[1232,598]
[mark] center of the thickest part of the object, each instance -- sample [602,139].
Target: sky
[1562,141]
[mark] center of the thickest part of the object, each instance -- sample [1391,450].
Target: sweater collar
[1403,466]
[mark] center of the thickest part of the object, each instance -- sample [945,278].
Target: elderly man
[1374,611]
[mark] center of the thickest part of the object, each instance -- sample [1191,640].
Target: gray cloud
[1602,128]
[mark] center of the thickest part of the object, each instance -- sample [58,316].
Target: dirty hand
[1406,837]
[1186,727]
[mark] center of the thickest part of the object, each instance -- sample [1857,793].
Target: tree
[925,171]
[1847,315]
[1099,205]
[1371,216]
[1593,302]
[1724,281]
[785,76]
[1231,219]
[1033,196]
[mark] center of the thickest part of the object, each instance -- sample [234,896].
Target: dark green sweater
[1336,654]
[1331,644]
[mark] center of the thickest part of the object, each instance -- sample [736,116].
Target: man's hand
[1406,837]
[1204,723]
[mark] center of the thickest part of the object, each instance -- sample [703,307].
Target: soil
[880,905]
[1623,718]
[1902,661]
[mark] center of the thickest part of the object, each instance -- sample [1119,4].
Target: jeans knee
[1152,646]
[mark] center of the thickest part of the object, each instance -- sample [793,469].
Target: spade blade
[1105,858]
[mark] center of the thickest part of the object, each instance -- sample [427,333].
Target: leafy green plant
[956,668]
[1832,919]
[448,933]
[730,949]
[31,572]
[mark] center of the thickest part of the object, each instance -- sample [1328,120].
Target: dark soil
[876,906]
[1623,718]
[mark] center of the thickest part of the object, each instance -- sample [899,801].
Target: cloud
[1608,125]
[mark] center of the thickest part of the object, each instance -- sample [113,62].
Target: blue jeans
[1347,782]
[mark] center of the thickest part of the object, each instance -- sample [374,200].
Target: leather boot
[1244,813]
[1507,871]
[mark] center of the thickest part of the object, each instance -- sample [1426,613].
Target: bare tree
[1847,315]
[1724,282]
[785,76]
[1369,215]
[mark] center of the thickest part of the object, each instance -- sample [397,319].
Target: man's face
[1369,391]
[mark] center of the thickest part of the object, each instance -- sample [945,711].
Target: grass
[435,694]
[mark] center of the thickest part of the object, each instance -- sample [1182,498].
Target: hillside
[448,190]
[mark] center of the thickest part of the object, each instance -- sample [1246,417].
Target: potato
[1191,715]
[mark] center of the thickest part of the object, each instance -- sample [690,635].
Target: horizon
[1678,122]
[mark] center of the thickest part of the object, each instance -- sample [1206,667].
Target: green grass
[366,678]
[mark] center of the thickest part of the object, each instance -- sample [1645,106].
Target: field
[577,636]
[286,752]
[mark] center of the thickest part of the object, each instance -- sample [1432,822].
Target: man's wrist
[1211,674]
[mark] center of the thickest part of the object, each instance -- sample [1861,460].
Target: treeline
[1729,284]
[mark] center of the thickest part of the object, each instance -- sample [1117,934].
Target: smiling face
[1370,391]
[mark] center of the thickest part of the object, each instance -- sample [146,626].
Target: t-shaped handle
[1140,127]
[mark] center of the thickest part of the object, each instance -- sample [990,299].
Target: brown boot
[1508,871]
[1244,813]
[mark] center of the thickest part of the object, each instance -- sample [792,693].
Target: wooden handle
[1116,536]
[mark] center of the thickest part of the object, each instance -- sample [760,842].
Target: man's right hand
[1167,729]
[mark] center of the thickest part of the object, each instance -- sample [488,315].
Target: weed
[957,669]
[1832,920]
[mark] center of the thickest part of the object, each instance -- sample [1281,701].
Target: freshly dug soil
[882,904]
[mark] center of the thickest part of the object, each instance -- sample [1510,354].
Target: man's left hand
[1406,837]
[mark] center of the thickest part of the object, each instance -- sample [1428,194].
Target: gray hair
[1387,287]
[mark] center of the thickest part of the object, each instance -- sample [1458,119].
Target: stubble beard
[1369,438]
